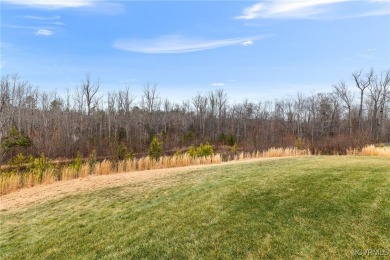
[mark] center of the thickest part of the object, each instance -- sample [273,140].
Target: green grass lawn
[304,208]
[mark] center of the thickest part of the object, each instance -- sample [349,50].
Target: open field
[306,207]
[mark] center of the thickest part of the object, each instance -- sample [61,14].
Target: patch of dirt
[46,192]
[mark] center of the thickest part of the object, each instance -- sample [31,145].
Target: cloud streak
[95,6]
[301,9]
[218,84]
[247,43]
[44,32]
[178,44]
[41,18]
[51,4]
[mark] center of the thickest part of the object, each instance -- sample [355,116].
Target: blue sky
[260,50]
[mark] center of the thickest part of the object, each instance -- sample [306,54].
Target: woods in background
[34,122]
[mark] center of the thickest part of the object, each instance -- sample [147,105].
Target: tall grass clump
[9,182]
[372,150]
[282,152]
[272,152]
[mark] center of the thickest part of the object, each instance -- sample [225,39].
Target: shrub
[201,151]
[227,139]
[233,149]
[187,137]
[18,161]
[155,149]
[92,158]
[204,150]
[192,151]
[299,144]
[15,139]
[121,153]
[78,162]
[41,165]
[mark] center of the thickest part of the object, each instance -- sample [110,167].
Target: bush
[120,153]
[192,151]
[15,139]
[18,160]
[233,149]
[227,139]
[201,151]
[92,158]
[41,165]
[78,162]
[187,137]
[204,150]
[299,144]
[155,149]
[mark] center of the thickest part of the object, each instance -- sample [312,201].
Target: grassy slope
[317,207]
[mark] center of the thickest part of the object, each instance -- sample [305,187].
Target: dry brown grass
[282,152]
[9,182]
[372,150]
[49,177]
[272,152]
[13,181]
[68,173]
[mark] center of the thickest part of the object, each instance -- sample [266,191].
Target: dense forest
[355,113]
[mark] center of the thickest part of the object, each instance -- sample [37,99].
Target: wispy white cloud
[56,23]
[178,44]
[38,25]
[51,4]
[50,20]
[285,9]
[44,32]
[218,84]
[95,6]
[247,43]
[41,18]
[299,9]
[37,30]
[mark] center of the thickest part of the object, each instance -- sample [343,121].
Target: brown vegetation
[16,180]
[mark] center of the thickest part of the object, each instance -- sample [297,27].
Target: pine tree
[155,149]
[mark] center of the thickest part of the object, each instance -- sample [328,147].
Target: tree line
[353,114]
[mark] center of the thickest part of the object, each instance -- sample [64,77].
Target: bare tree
[221,103]
[362,84]
[125,100]
[89,91]
[378,93]
[5,105]
[299,108]
[150,100]
[342,91]
[200,104]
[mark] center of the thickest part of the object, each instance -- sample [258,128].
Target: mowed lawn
[302,208]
